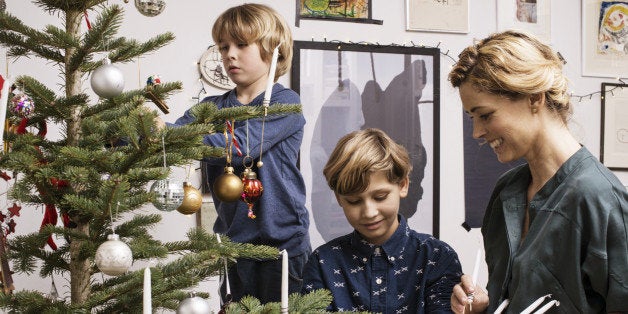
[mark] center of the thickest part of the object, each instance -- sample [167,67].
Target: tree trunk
[80,271]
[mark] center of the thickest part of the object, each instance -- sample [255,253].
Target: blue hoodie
[282,219]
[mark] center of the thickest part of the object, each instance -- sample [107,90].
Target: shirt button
[364,259]
[378,281]
[392,258]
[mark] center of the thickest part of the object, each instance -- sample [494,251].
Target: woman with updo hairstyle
[556,226]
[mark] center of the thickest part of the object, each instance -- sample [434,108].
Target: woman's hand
[461,302]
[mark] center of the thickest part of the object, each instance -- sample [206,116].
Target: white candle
[547,306]
[502,306]
[4,100]
[148,305]
[535,304]
[271,76]
[476,268]
[284,281]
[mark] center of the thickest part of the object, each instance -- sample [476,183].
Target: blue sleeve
[313,275]
[442,279]
[276,129]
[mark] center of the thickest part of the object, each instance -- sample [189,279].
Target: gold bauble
[192,200]
[228,187]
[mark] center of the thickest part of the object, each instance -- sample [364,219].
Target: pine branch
[24,41]
[96,39]
[53,6]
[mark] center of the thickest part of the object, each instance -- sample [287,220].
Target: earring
[535,110]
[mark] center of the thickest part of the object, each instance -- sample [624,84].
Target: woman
[556,225]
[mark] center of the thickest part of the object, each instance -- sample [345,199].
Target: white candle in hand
[476,271]
[147,304]
[476,268]
[284,281]
[271,76]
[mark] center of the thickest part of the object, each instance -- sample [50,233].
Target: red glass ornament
[252,191]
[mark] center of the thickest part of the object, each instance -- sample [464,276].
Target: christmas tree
[95,177]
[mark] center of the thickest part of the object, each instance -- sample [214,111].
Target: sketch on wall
[532,16]
[437,15]
[347,87]
[614,135]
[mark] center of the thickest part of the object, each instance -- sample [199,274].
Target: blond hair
[360,153]
[514,64]
[260,24]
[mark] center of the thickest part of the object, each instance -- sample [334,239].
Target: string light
[453,59]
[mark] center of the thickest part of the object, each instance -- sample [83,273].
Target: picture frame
[449,16]
[604,49]
[346,87]
[614,133]
[532,16]
[355,11]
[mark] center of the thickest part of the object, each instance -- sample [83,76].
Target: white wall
[191,22]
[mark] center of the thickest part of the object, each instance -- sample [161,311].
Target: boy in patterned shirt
[383,265]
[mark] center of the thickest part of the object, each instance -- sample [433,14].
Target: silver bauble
[107,80]
[113,257]
[150,7]
[194,305]
[168,194]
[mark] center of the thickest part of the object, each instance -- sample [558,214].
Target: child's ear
[404,186]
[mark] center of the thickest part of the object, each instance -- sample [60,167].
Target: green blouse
[576,248]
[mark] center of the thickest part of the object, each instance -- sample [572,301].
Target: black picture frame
[346,87]
[614,126]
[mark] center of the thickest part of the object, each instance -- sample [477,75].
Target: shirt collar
[394,246]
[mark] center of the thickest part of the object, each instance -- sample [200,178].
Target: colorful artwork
[613,28]
[339,10]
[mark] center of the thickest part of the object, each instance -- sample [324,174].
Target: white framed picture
[605,38]
[614,135]
[450,16]
[532,16]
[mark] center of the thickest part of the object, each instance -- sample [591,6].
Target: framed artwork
[614,135]
[357,11]
[604,38]
[450,16]
[347,87]
[532,16]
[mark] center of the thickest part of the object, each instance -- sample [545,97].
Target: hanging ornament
[194,305]
[113,257]
[228,187]
[107,80]
[192,200]
[252,191]
[150,7]
[22,105]
[169,194]
[153,80]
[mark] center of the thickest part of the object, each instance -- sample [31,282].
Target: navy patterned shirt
[410,273]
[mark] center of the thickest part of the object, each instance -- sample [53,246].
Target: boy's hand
[460,297]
